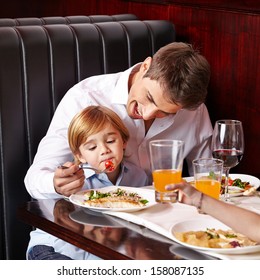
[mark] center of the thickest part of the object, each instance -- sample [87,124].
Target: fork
[97,171]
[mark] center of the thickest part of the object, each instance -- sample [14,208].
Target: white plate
[234,191]
[203,224]
[147,194]
[253,181]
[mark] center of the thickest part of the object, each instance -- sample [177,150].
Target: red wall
[226,33]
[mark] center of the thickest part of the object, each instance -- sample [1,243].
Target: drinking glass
[208,175]
[228,145]
[166,162]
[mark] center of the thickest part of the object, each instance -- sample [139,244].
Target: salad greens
[239,183]
[94,194]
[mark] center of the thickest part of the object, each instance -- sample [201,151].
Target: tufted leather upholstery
[38,64]
[65,20]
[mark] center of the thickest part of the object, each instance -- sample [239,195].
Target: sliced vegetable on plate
[242,184]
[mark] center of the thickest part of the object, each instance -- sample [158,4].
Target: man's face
[146,100]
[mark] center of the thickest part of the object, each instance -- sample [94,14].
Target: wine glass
[228,145]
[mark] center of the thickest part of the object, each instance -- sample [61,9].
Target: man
[160,98]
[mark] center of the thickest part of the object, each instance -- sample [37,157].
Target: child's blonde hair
[90,121]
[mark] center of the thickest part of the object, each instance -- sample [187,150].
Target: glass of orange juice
[166,162]
[208,175]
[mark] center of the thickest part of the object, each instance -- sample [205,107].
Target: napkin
[249,202]
[159,218]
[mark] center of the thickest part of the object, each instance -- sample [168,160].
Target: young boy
[96,135]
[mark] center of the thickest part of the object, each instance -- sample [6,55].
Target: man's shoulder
[94,80]
[201,110]
[94,86]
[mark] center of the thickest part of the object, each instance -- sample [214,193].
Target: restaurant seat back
[38,64]
[65,20]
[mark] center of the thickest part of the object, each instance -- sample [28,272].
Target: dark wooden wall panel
[231,43]
[226,32]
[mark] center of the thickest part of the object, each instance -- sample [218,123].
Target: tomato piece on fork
[109,165]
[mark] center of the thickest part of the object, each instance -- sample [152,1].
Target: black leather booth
[65,19]
[38,64]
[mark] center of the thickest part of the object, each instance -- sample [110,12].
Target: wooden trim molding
[249,6]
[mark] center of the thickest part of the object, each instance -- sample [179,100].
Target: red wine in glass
[228,145]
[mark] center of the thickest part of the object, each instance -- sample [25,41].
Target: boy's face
[146,100]
[102,146]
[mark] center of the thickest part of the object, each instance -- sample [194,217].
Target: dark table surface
[100,234]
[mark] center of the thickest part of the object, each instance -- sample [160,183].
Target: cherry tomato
[109,165]
[230,182]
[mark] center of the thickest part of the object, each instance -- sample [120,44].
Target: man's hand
[68,180]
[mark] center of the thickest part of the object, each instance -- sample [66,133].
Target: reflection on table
[105,236]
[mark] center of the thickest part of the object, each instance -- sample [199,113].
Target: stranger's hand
[187,193]
[70,180]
